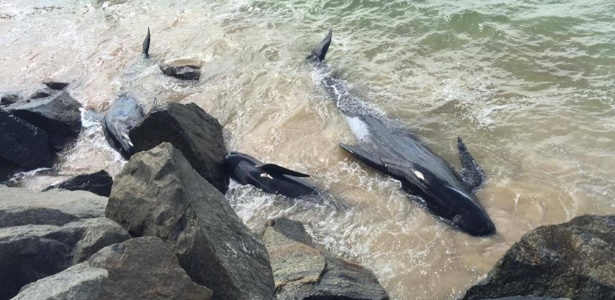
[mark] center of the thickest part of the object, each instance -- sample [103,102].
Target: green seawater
[529,85]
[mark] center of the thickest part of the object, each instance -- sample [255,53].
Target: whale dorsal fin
[146,44]
[319,52]
[471,173]
[275,169]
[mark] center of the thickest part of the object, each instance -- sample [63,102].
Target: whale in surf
[270,178]
[124,114]
[446,193]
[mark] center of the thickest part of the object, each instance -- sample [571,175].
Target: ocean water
[529,85]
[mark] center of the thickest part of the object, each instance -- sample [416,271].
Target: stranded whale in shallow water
[126,112]
[123,115]
[270,178]
[402,156]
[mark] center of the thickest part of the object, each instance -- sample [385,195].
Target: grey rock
[98,233]
[293,230]
[303,272]
[10,99]
[183,72]
[141,268]
[57,114]
[571,260]
[192,131]
[292,262]
[32,252]
[158,193]
[42,93]
[344,280]
[55,85]
[23,144]
[24,207]
[99,183]
[44,233]
[79,282]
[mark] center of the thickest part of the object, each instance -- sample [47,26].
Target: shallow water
[529,85]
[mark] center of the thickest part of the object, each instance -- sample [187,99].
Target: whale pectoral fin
[365,157]
[471,173]
[275,169]
[319,52]
[146,44]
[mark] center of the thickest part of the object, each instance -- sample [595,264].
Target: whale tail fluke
[146,44]
[319,52]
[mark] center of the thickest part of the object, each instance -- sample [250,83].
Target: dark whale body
[123,115]
[270,178]
[402,156]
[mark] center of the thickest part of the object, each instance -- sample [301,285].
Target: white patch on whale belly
[359,128]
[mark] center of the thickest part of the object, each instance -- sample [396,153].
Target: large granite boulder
[302,272]
[158,193]
[31,252]
[141,268]
[44,233]
[22,143]
[98,183]
[25,207]
[56,113]
[571,260]
[191,130]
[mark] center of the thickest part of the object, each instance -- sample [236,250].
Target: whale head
[239,166]
[468,215]
[449,200]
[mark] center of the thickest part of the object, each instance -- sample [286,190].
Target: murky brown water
[533,101]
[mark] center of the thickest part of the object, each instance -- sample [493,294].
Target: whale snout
[486,230]
[476,225]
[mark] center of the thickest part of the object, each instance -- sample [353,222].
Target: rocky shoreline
[167,200]
[571,260]
[34,128]
[165,230]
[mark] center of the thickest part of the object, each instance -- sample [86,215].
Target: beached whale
[445,192]
[270,178]
[123,115]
